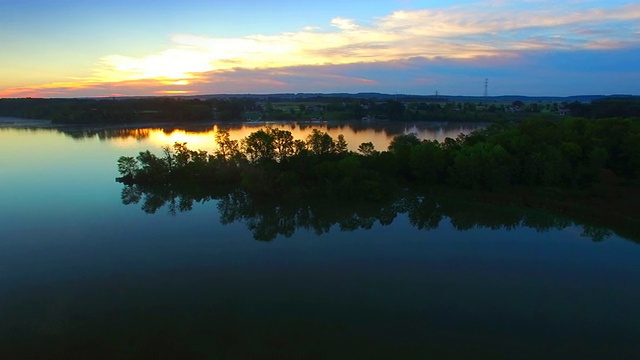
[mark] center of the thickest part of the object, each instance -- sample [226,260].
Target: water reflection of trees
[391,129]
[126,133]
[268,218]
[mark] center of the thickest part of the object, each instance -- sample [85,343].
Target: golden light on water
[204,139]
[195,140]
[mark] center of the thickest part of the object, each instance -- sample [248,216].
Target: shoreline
[10,121]
[21,123]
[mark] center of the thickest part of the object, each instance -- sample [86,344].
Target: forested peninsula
[571,155]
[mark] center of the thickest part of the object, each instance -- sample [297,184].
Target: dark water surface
[84,276]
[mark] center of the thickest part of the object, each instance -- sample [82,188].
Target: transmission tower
[486,87]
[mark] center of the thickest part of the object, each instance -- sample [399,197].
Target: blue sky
[70,48]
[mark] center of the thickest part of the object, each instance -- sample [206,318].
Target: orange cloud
[455,33]
[174,92]
[53,89]
[470,32]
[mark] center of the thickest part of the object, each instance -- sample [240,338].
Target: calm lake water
[83,275]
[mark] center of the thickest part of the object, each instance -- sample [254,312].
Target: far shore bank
[8,121]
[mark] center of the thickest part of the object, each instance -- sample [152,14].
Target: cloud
[468,32]
[471,34]
[344,24]
[526,73]
[469,21]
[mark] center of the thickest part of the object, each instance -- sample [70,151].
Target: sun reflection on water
[196,140]
[204,138]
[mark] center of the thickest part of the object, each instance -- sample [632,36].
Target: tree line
[127,110]
[571,153]
[624,107]
[176,109]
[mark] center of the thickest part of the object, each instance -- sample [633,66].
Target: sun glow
[174,92]
[172,64]
[213,63]
[177,82]
[195,140]
[452,33]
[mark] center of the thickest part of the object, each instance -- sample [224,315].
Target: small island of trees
[570,154]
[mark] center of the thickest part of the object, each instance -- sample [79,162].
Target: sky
[79,48]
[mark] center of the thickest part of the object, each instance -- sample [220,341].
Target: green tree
[320,142]
[427,162]
[283,143]
[229,110]
[401,147]
[367,148]
[483,166]
[395,110]
[169,158]
[341,145]
[259,146]
[182,154]
[227,149]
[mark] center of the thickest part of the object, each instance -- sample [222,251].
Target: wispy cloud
[471,32]
[445,33]
[344,24]
[526,73]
